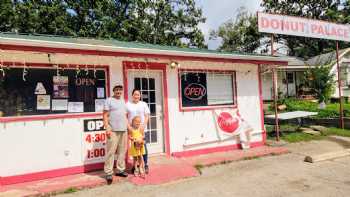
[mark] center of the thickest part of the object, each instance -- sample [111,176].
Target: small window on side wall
[200,89]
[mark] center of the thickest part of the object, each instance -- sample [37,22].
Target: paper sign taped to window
[43,102]
[75,107]
[59,104]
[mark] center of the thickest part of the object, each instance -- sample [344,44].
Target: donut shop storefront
[52,91]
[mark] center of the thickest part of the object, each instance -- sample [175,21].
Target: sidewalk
[162,170]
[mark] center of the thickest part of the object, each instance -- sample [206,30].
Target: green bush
[331,110]
[295,105]
[321,80]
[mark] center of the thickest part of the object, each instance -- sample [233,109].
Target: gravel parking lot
[284,175]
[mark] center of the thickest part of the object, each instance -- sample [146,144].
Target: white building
[52,90]
[291,77]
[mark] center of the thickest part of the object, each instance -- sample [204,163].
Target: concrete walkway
[162,170]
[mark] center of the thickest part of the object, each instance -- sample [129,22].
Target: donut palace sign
[297,26]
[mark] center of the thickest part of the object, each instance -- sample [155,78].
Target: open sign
[195,91]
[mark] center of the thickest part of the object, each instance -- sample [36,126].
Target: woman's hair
[135,90]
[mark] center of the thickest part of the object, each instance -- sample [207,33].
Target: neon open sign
[195,91]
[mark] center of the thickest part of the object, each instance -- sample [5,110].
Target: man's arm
[128,124]
[106,122]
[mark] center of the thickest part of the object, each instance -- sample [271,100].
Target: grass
[337,131]
[70,190]
[331,110]
[251,158]
[298,137]
[199,167]
[291,133]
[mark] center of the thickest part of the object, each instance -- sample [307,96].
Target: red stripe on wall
[191,153]
[50,174]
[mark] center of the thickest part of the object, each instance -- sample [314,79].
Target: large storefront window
[37,91]
[206,89]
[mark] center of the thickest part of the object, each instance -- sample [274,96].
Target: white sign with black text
[94,141]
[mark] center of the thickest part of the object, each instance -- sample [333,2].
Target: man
[115,122]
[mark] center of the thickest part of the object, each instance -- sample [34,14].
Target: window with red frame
[205,89]
[38,91]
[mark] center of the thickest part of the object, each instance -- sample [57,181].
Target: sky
[219,11]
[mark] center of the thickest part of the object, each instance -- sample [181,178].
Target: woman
[139,108]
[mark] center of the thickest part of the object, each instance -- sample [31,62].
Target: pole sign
[298,26]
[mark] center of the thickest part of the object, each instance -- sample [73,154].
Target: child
[137,149]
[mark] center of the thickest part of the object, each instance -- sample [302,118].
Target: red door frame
[152,66]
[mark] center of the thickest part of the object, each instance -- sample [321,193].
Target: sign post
[275,93]
[341,121]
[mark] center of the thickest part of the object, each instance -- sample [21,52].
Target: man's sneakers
[122,174]
[109,179]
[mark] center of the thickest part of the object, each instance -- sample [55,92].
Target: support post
[341,116]
[275,97]
[275,93]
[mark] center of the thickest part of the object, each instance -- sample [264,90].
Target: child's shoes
[142,173]
[136,171]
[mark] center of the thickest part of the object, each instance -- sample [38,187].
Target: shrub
[331,110]
[321,80]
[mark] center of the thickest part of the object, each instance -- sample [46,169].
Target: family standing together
[125,122]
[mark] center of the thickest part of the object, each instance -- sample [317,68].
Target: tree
[328,10]
[33,16]
[346,12]
[165,22]
[173,23]
[240,34]
[321,80]
[6,15]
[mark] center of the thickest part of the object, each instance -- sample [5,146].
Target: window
[36,91]
[290,77]
[206,89]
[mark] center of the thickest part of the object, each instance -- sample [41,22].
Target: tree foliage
[321,80]
[240,34]
[166,22]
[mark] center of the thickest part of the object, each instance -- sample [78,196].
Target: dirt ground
[284,175]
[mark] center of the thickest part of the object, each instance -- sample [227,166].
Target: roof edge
[80,46]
